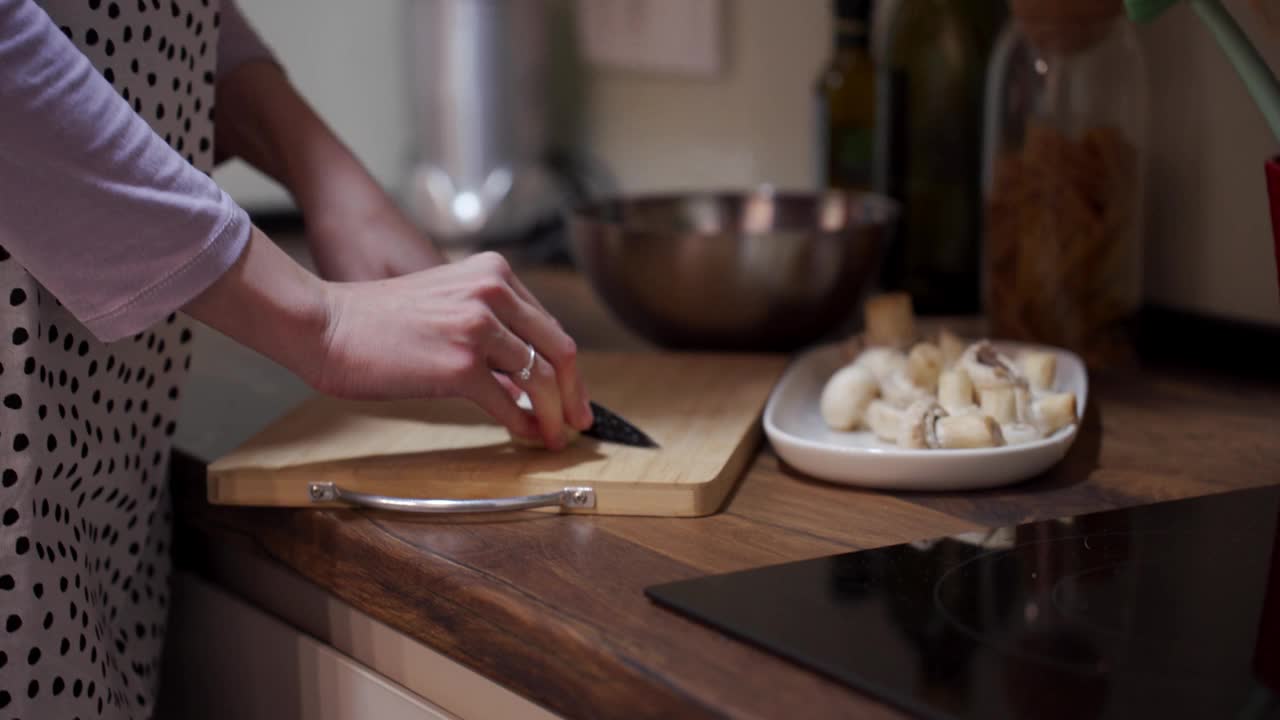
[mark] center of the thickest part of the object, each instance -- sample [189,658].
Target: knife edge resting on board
[606,426]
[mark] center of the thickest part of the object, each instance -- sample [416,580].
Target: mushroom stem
[1000,403]
[1019,433]
[890,320]
[955,391]
[884,420]
[967,431]
[952,347]
[917,428]
[1054,412]
[1039,369]
[924,363]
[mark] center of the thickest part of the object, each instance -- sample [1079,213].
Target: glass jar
[1063,178]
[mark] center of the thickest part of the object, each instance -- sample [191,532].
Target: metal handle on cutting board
[570,497]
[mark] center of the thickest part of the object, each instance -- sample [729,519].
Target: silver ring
[526,372]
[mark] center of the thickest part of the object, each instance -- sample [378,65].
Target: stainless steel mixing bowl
[753,271]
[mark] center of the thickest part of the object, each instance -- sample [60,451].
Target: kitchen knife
[610,427]
[606,426]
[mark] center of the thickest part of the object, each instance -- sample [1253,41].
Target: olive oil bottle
[932,75]
[846,102]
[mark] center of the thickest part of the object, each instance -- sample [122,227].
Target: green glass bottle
[932,79]
[846,101]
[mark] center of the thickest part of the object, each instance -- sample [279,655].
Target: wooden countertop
[552,607]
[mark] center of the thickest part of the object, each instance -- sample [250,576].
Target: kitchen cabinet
[538,614]
[230,655]
[230,659]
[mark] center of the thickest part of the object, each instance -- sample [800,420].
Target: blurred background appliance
[478,80]
[491,82]
[745,118]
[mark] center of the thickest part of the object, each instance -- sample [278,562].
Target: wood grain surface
[702,410]
[553,606]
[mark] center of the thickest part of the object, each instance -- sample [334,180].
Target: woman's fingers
[545,394]
[510,355]
[524,293]
[517,308]
[494,400]
[507,384]
[557,349]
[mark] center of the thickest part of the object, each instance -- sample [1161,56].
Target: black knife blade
[610,427]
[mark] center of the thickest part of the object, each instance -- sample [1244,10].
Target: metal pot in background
[753,270]
[496,88]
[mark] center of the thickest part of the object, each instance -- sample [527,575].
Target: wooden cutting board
[702,409]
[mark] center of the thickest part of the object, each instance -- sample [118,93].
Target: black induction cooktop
[1169,610]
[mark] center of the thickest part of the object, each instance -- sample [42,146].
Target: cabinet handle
[570,497]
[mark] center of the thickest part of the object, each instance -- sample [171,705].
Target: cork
[1066,26]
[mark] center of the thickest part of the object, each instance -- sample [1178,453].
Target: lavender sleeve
[118,226]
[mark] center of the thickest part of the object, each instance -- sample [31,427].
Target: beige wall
[347,59]
[753,125]
[1208,241]
[1208,249]
[1209,245]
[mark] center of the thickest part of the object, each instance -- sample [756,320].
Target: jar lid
[1065,25]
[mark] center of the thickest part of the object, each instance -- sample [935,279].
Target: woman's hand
[447,331]
[460,329]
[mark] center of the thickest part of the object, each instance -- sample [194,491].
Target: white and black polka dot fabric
[85,427]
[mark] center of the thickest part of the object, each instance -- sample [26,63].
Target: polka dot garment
[85,427]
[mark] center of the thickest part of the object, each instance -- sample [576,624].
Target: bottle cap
[852,22]
[853,10]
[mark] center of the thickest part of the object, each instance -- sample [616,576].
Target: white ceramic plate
[800,437]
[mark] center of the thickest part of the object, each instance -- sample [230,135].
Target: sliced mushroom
[882,361]
[967,431]
[988,367]
[1000,403]
[1039,368]
[916,429]
[900,391]
[955,391]
[890,320]
[952,347]
[1019,433]
[884,420]
[1053,412]
[1022,397]
[924,363]
[846,395]
[942,394]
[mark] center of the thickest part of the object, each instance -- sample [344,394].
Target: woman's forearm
[264,121]
[270,303]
